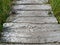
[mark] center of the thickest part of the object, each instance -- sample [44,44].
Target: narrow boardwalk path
[32,23]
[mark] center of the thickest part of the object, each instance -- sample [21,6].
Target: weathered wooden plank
[48,27]
[31,44]
[29,38]
[31,33]
[31,1]
[33,13]
[32,7]
[32,19]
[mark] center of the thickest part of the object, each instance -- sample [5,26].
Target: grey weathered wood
[31,33]
[49,27]
[30,24]
[32,44]
[32,7]
[33,13]
[31,1]
[38,37]
[32,19]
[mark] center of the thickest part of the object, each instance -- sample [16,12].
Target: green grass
[4,11]
[56,8]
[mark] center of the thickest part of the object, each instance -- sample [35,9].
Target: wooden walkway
[32,22]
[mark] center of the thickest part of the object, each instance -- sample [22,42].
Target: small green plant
[4,11]
[56,8]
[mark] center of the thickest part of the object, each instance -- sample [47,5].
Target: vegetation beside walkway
[4,11]
[56,8]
